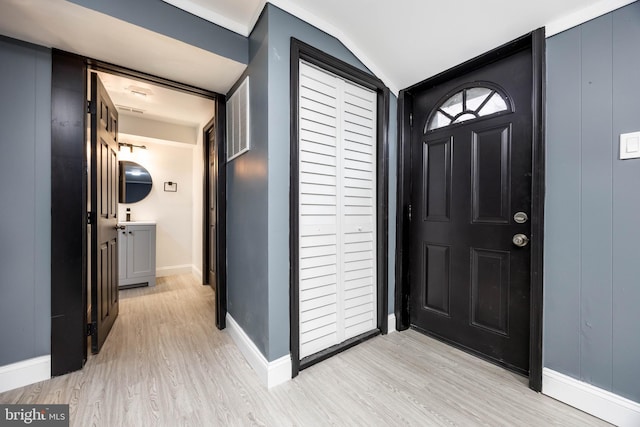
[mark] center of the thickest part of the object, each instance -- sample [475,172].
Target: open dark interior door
[103,215]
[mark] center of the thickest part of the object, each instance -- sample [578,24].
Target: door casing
[69,183]
[301,50]
[536,42]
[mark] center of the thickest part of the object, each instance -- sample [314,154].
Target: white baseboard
[391,323]
[270,373]
[196,272]
[26,372]
[590,399]
[172,270]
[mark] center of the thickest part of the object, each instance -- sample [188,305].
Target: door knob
[120,227]
[520,240]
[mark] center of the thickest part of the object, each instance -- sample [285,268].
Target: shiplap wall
[592,285]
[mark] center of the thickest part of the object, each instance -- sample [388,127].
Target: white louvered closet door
[337,209]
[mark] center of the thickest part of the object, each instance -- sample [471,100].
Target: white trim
[211,16]
[295,10]
[196,272]
[592,400]
[172,270]
[391,323]
[270,373]
[25,372]
[583,15]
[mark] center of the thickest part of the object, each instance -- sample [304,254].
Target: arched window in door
[479,99]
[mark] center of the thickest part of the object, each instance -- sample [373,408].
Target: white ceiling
[67,26]
[401,41]
[406,41]
[159,103]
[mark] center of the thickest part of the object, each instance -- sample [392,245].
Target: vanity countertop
[137,223]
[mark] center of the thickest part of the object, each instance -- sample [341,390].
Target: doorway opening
[158,128]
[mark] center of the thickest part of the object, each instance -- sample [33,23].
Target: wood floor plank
[165,364]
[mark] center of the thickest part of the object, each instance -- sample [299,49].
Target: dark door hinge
[410,119]
[409,212]
[90,217]
[91,107]
[91,328]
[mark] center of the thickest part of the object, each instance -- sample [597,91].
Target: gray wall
[592,281]
[163,18]
[25,224]
[247,204]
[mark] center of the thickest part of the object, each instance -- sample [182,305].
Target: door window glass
[468,104]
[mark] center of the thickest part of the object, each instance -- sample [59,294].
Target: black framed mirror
[135,182]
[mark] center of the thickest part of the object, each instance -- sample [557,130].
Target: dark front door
[104,209]
[212,184]
[470,207]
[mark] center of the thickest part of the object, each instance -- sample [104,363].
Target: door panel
[104,203]
[437,180]
[491,163]
[469,284]
[437,266]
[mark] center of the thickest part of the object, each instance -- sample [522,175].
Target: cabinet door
[122,254]
[141,247]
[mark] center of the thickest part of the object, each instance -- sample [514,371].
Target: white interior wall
[175,213]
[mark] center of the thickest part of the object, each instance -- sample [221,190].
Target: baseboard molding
[196,272]
[172,270]
[590,399]
[270,373]
[391,323]
[25,372]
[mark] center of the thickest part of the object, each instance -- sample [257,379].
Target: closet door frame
[302,51]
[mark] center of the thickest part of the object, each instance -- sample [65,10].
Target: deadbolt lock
[520,217]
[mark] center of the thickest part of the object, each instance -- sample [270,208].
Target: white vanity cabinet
[137,253]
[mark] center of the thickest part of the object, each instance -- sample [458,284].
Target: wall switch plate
[630,145]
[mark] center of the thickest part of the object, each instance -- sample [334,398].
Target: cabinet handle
[120,227]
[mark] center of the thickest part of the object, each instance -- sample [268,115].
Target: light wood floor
[166,364]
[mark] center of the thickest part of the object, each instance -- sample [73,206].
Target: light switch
[630,145]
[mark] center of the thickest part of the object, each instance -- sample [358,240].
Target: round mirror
[135,182]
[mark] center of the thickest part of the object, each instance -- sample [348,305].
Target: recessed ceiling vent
[139,91]
[125,108]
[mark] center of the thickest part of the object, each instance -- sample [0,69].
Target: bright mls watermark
[34,415]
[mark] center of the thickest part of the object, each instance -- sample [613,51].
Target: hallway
[166,364]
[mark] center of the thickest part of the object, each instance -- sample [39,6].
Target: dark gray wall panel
[562,262]
[25,113]
[626,205]
[163,18]
[592,205]
[247,227]
[596,244]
